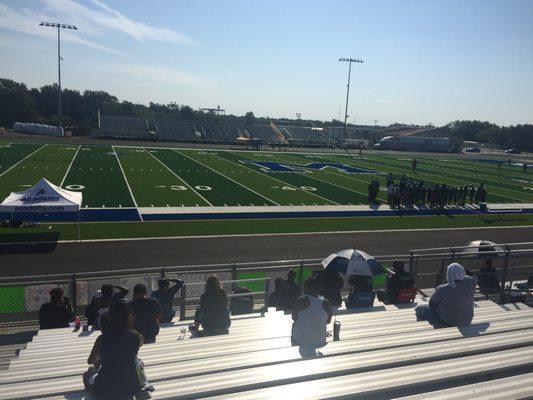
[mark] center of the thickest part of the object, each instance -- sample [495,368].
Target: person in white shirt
[311,314]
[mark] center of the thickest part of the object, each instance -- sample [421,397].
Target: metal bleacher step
[272,375]
[381,384]
[511,388]
[198,370]
[277,335]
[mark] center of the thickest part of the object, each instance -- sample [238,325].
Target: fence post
[74,294]
[412,263]
[301,277]
[162,272]
[267,290]
[183,301]
[233,276]
[504,277]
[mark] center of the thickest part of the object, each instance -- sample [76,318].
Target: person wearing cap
[165,295]
[452,304]
[397,279]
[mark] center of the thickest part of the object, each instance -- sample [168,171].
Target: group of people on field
[409,192]
[116,371]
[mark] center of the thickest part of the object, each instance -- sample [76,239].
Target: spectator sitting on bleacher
[397,279]
[146,313]
[212,313]
[330,287]
[120,375]
[57,313]
[275,296]
[361,294]
[165,295]
[311,315]
[290,291]
[452,304]
[101,302]
[488,278]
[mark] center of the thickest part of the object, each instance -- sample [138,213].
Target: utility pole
[349,61]
[59,26]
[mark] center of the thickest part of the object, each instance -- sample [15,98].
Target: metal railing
[21,296]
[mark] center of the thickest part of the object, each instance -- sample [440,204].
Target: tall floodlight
[59,26]
[349,61]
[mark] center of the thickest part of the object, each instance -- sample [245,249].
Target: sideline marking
[227,177]
[177,176]
[272,234]
[126,180]
[70,166]
[25,158]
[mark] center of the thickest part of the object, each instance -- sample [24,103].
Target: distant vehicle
[512,151]
[472,150]
[414,143]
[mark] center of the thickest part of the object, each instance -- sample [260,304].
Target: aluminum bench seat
[511,388]
[319,379]
[356,352]
[190,348]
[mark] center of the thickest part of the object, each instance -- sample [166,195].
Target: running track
[107,255]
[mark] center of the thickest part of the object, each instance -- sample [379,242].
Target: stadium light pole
[349,61]
[59,26]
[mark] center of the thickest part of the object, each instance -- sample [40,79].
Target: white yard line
[4,145]
[25,158]
[227,177]
[284,183]
[177,176]
[70,166]
[126,180]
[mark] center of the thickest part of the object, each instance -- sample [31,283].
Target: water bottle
[336,331]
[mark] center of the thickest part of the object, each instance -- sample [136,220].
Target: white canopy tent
[43,197]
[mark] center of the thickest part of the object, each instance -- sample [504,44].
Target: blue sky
[425,61]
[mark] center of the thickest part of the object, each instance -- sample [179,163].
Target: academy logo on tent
[270,166]
[40,197]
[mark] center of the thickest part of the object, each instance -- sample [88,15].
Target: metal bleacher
[303,135]
[126,127]
[264,132]
[383,353]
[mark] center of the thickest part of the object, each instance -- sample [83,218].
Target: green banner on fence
[11,299]
[254,286]
[306,273]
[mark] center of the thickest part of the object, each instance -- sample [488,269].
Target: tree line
[20,103]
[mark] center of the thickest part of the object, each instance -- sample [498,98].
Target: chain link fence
[21,297]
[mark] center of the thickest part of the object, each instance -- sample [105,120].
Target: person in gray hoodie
[452,304]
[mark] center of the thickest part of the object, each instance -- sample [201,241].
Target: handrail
[466,247]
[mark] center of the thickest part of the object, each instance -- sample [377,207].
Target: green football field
[117,176]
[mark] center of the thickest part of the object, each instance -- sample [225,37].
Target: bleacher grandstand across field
[164,129]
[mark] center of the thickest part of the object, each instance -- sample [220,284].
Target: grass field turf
[125,230]
[127,176]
